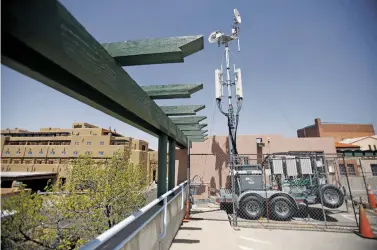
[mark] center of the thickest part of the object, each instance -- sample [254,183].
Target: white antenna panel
[238,80]
[218,83]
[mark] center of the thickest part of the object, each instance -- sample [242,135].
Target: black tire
[252,208]
[281,208]
[332,197]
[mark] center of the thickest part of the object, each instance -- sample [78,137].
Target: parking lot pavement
[262,239]
[219,235]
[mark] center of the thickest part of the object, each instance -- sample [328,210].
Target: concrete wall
[148,237]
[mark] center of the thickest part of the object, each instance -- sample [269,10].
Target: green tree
[96,196]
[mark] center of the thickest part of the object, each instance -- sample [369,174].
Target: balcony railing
[170,204]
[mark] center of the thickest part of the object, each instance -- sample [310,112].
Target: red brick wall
[337,131]
[341,131]
[308,132]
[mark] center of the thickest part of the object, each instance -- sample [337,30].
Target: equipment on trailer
[255,193]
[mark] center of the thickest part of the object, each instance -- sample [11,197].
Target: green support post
[171,171]
[162,147]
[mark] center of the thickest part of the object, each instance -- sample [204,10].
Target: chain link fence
[309,191]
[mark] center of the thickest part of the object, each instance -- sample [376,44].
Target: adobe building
[52,149]
[337,131]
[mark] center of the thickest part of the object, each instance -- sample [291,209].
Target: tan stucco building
[52,149]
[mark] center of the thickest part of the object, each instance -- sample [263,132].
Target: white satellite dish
[214,36]
[237,16]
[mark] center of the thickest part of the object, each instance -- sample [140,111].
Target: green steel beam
[188,120]
[195,132]
[182,110]
[197,138]
[172,91]
[42,40]
[154,51]
[192,127]
[162,154]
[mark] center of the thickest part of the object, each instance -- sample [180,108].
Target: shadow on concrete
[201,212]
[303,213]
[314,213]
[210,219]
[186,241]
[191,228]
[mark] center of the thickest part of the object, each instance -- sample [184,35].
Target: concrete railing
[152,227]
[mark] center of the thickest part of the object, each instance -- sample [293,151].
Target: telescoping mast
[233,80]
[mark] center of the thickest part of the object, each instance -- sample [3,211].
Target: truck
[255,195]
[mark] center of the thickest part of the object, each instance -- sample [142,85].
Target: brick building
[337,131]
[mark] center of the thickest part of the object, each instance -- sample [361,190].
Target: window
[41,152]
[342,169]
[375,148]
[75,153]
[16,162]
[100,153]
[30,153]
[88,152]
[64,153]
[27,162]
[39,161]
[374,169]
[7,153]
[18,152]
[77,143]
[88,143]
[50,162]
[143,147]
[101,143]
[370,147]
[351,169]
[52,152]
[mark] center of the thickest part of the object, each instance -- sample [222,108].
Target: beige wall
[246,144]
[364,144]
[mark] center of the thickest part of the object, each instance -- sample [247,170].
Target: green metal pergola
[42,40]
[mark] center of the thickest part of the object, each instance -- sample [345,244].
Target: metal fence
[310,191]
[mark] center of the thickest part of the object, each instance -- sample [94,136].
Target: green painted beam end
[154,51]
[193,127]
[172,91]
[182,110]
[187,120]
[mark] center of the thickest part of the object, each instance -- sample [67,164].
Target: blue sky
[300,60]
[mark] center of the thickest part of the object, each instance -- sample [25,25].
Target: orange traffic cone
[187,215]
[365,230]
[372,199]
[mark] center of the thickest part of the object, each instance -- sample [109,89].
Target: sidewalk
[219,235]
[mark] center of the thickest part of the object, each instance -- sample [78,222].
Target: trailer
[256,194]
